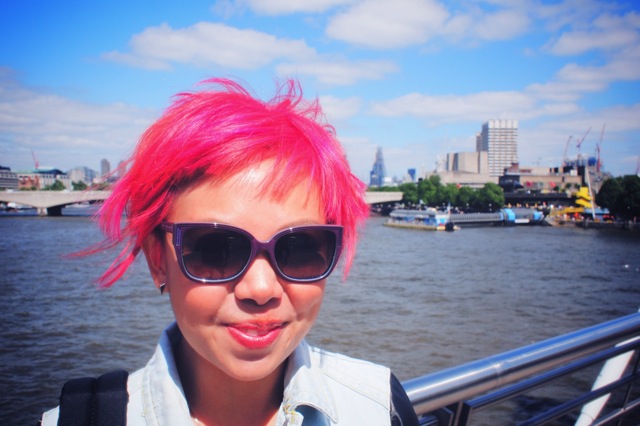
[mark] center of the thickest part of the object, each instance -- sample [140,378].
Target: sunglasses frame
[177,229]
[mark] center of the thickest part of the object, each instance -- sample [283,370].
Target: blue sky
[80,80]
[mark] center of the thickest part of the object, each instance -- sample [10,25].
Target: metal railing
[453,396]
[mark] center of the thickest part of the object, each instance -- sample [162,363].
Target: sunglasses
[216,253]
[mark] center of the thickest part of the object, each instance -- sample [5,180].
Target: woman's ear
[154,251]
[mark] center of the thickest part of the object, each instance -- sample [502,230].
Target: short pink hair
[218,133]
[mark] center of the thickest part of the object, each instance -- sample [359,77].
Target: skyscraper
[378,172]
[500,139]
[105,167]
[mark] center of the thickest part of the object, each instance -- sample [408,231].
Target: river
[416,301]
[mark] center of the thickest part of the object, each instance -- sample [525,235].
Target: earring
[162,286]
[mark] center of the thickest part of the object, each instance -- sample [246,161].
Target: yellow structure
[583,202]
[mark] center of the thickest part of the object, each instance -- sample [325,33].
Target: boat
[434,220]
[427,220]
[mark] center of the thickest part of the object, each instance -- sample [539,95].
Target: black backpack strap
[402,412]
[76,402]
[97,402]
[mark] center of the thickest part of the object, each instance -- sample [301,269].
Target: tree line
[431,192]
[621,196]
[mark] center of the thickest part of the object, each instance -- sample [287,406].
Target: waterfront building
[589,169]
[378,174]
[499,138]
[42,177]
[466,169]
[539,179]
[468,162]
[8,179]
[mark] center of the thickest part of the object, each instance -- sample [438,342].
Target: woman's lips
[255,336]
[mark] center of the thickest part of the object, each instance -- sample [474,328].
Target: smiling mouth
[255,336]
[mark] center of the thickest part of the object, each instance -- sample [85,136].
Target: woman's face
[248,327]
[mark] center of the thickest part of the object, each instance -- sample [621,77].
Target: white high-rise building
[105,167]
[500,139]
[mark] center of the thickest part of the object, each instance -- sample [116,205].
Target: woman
[242,209]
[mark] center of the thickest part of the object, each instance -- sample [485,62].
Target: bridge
[382,197]
[51,202]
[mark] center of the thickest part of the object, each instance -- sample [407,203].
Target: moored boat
[428,220]
[434,220]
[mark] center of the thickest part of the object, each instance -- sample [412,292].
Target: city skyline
[80,82]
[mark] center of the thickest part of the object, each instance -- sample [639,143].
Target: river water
[416,301]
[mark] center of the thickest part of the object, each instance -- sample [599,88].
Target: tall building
[378,172]
[500,139]
[412,174]
[468,162]
[82,174]
[122,169]
[105,167]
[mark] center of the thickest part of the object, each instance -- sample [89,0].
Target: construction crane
[598,145]
[35,160]
[578,143]
[566,149]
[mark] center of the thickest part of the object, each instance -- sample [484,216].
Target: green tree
[56,186]
[79,185]
[489,197]
[409,192]
[446,194]
[609,193]
[433,193]
[621,196]
[428,189]
[465,198]
[630,201]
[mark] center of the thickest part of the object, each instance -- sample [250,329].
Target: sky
[81,80]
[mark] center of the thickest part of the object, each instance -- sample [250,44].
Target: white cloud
[382,24]
[207,43]
[64,133]
[501,25]
[607,32]
[338,72]
[618,145]
[340,109]
[475,107]
[283,7]
[573,80]
[388,24]
[558,15]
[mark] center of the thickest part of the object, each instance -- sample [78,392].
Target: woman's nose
[259,283]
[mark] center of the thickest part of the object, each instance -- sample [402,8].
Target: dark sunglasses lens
[305,254]
[214,254]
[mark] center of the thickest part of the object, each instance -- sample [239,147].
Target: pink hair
[218,133]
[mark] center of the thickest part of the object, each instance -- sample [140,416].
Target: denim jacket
[321,388]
